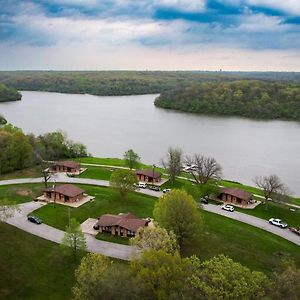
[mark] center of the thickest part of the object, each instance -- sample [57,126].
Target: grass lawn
[20,193]
[112,238]
[32,172]
[106,201]
[33,268]
[253,247]
[97,173]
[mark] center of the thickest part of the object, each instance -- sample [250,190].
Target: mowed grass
[20,193]
[103,236]
[97,173]
[107,201]
[33,268]
[253,247]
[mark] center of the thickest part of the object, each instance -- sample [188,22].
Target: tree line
[19,151]
[246,98]
[8,94]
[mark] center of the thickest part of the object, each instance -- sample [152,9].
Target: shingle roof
[67,190]
[68,164]
[127,221]
[237,193]
[148,173]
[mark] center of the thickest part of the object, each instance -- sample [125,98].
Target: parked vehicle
[166,190]
[142,185]
[204,200]
[96,226]
[153,187]
[227,207]
[34,220]
[278,223]
[295,230]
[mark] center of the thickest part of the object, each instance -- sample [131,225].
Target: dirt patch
[24,192]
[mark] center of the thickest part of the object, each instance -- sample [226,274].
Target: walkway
[109,248]
[55,235]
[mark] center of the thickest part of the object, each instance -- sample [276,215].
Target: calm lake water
[111,125]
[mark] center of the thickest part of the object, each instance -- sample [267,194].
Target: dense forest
[9,94]
[107,83]
[19,151]
[246,98]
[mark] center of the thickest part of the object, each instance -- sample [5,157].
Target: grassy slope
[25,173]
[106,201]
[21,193]
[33,268]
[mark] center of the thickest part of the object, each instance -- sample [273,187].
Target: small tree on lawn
[132,159]
[271,187]
[173,163]
[46,172]
[205,168]
[74,238]
[177,211]
[124,181]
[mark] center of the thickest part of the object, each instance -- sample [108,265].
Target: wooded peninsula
[246,98]
[9,94]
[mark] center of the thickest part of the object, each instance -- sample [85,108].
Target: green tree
[98,278]
[158,275]
[155,238]
[177,211]
[74,238]
[132,159]
[173,164]
[285,282]
[221,278]
[124,181]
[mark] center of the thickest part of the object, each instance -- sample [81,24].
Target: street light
[54,184]
[153,166]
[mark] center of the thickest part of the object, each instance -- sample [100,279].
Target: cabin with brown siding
[64,193]
[148,176]
[124,225]
[235,196]
[65,166]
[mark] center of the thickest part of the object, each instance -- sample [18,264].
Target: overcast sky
[150,34]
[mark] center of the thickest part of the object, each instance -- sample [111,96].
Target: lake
[111,125]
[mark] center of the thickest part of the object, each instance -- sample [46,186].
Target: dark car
[96,226]
[153,187]
[34,220]
[204,200]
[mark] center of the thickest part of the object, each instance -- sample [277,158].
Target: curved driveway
[117,250]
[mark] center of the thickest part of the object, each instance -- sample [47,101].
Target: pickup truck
[295,230]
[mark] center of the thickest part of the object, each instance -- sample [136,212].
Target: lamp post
[153,166]
[54,184]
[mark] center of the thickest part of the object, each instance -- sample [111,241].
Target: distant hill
[109,83]
[246,98]
[9,94]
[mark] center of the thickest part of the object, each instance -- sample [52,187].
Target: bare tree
[46,172]
[272,186]
[173,164]
[204,168]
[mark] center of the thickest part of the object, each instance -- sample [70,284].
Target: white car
[227,207]
[166,190]
[141,185]
[278,223]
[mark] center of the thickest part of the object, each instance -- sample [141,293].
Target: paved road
[254,221]
[251,220]
[55,235]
